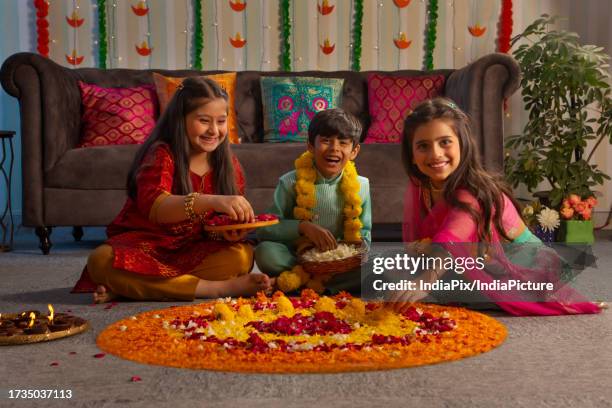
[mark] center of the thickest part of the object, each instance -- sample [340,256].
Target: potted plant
[577,226]
[565,88]
[541,220]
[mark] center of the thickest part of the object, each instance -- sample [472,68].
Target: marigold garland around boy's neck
[306,175]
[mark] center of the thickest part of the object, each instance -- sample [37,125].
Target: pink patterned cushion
[391,99]
[116,116]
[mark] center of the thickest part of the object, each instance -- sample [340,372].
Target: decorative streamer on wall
[42,27]
[75,22]
[401,41]
[285,60]
[505,27]
[198,34]
[102,42]
[430,36]
[142,10]
[357,32]
[238,41]
[325,9]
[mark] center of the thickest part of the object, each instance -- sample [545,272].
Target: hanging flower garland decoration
[304,334]
[357,31]
[285,61]
[102,43]
[505,27]
[198,34]
[430,36]
[42,27]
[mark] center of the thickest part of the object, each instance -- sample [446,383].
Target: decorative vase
[544,235]
[577,232]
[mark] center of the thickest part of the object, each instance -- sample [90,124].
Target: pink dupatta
[446,226]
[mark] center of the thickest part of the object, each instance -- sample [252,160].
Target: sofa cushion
[290,103]
[116,116]
[165,87]
[392,98]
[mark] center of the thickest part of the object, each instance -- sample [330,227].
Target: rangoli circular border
[149,338]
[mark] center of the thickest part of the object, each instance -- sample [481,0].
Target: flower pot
[576,232]
[544,235]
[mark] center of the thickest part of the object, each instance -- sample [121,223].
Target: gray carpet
[545,362]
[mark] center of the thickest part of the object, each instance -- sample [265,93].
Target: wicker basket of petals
[345,257]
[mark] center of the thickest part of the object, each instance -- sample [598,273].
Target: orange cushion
[166,87]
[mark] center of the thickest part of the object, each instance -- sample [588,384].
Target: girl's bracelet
[189,202]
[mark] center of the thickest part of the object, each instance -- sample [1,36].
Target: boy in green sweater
[323,200]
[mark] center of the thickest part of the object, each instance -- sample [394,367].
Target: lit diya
[32,326]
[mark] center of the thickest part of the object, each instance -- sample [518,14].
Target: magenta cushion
[391,99]
[116,116]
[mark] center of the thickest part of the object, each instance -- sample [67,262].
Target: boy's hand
[321,237]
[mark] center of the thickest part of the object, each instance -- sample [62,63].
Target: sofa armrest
[53,118]
[480,89]
[49,105]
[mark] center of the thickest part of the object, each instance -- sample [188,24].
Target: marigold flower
[223,312]
[304,276]
[316,285]
[288,281]
[285,307]
[246,312]
[325,304]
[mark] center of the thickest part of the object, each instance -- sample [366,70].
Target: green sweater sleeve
[284,202]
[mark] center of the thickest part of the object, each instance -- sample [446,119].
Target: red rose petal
[72,353]
[135,378]
[99,355]
[54,364]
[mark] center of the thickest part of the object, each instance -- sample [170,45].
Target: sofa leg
[77,233]
[43,234]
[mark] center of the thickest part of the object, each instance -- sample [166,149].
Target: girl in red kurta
[185,172]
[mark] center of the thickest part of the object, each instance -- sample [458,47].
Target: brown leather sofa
[64,186]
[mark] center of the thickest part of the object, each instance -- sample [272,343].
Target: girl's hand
[236,235]
[236,207]
[321,237]
[402,300]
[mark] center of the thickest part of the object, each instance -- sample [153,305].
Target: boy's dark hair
[171,130]
[334,122]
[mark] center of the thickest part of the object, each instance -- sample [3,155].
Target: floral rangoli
[306,334]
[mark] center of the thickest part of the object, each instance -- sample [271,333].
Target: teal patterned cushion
[290,103]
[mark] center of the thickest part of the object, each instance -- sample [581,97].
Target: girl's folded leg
[135,286]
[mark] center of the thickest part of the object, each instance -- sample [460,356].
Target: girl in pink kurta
[182,175]
[454,206]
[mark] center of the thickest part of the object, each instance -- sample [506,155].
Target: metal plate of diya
[220,223]
[33,327]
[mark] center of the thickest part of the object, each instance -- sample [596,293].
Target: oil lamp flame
[51,313]
[32,317]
